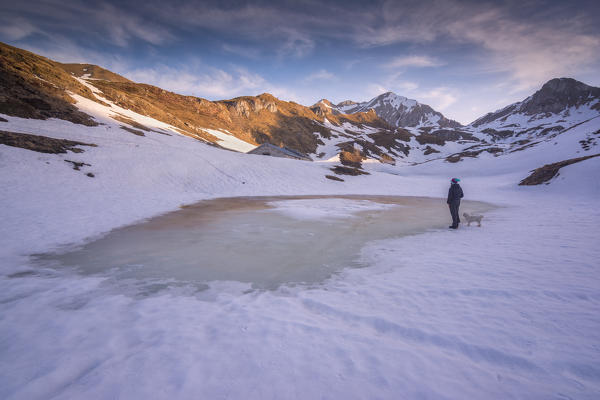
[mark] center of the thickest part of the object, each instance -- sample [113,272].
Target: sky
[463,58]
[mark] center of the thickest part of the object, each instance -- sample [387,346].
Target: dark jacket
[455,193]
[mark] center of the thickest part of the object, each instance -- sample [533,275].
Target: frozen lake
[264,241]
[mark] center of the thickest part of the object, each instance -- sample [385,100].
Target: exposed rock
[459,156]
[41,144]
[340,170]
[547,172]
[430,150]
[134,131]
[557,95]
[498,134]
[334,178]
[346,103]
[242,108]
[427,138]
[387,159]
[351,158]
[452,135]
[77,165]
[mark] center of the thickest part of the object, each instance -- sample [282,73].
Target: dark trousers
[454,212]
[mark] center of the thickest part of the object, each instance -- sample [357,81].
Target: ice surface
[318,209]
[263,241]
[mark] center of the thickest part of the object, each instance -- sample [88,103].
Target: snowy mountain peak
[325,102]
[564,85]
[556,96]
[395,100]
[557,105]
[400,111]
[559,94]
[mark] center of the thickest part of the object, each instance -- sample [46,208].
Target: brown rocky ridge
[547,172]
[32,86]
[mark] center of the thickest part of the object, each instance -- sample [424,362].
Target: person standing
[455,193]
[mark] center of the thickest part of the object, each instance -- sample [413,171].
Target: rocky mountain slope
[560,104]
[90,71]
[32,86]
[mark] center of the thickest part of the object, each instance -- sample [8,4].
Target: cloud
[296,44]
[124,27]
[439,98]
[243,51]
[413,61]
[406,86]
[531,43]
[320,75]
[282,30]
[522,43]
[375,89]
[15,28]
[208,82]
[103,22]
[212,83]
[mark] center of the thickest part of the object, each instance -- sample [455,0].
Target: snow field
[509,310]
[495,312]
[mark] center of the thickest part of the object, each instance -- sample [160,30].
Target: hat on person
[455,180]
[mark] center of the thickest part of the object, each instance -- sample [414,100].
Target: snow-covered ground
[509,310]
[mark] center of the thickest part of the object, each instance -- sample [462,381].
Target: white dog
[473,218]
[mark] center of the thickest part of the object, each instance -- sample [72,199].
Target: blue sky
[464,58]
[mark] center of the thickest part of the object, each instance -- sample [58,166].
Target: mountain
[324,107]
[36,87]
[399,111]
[558,105]
[32,86]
